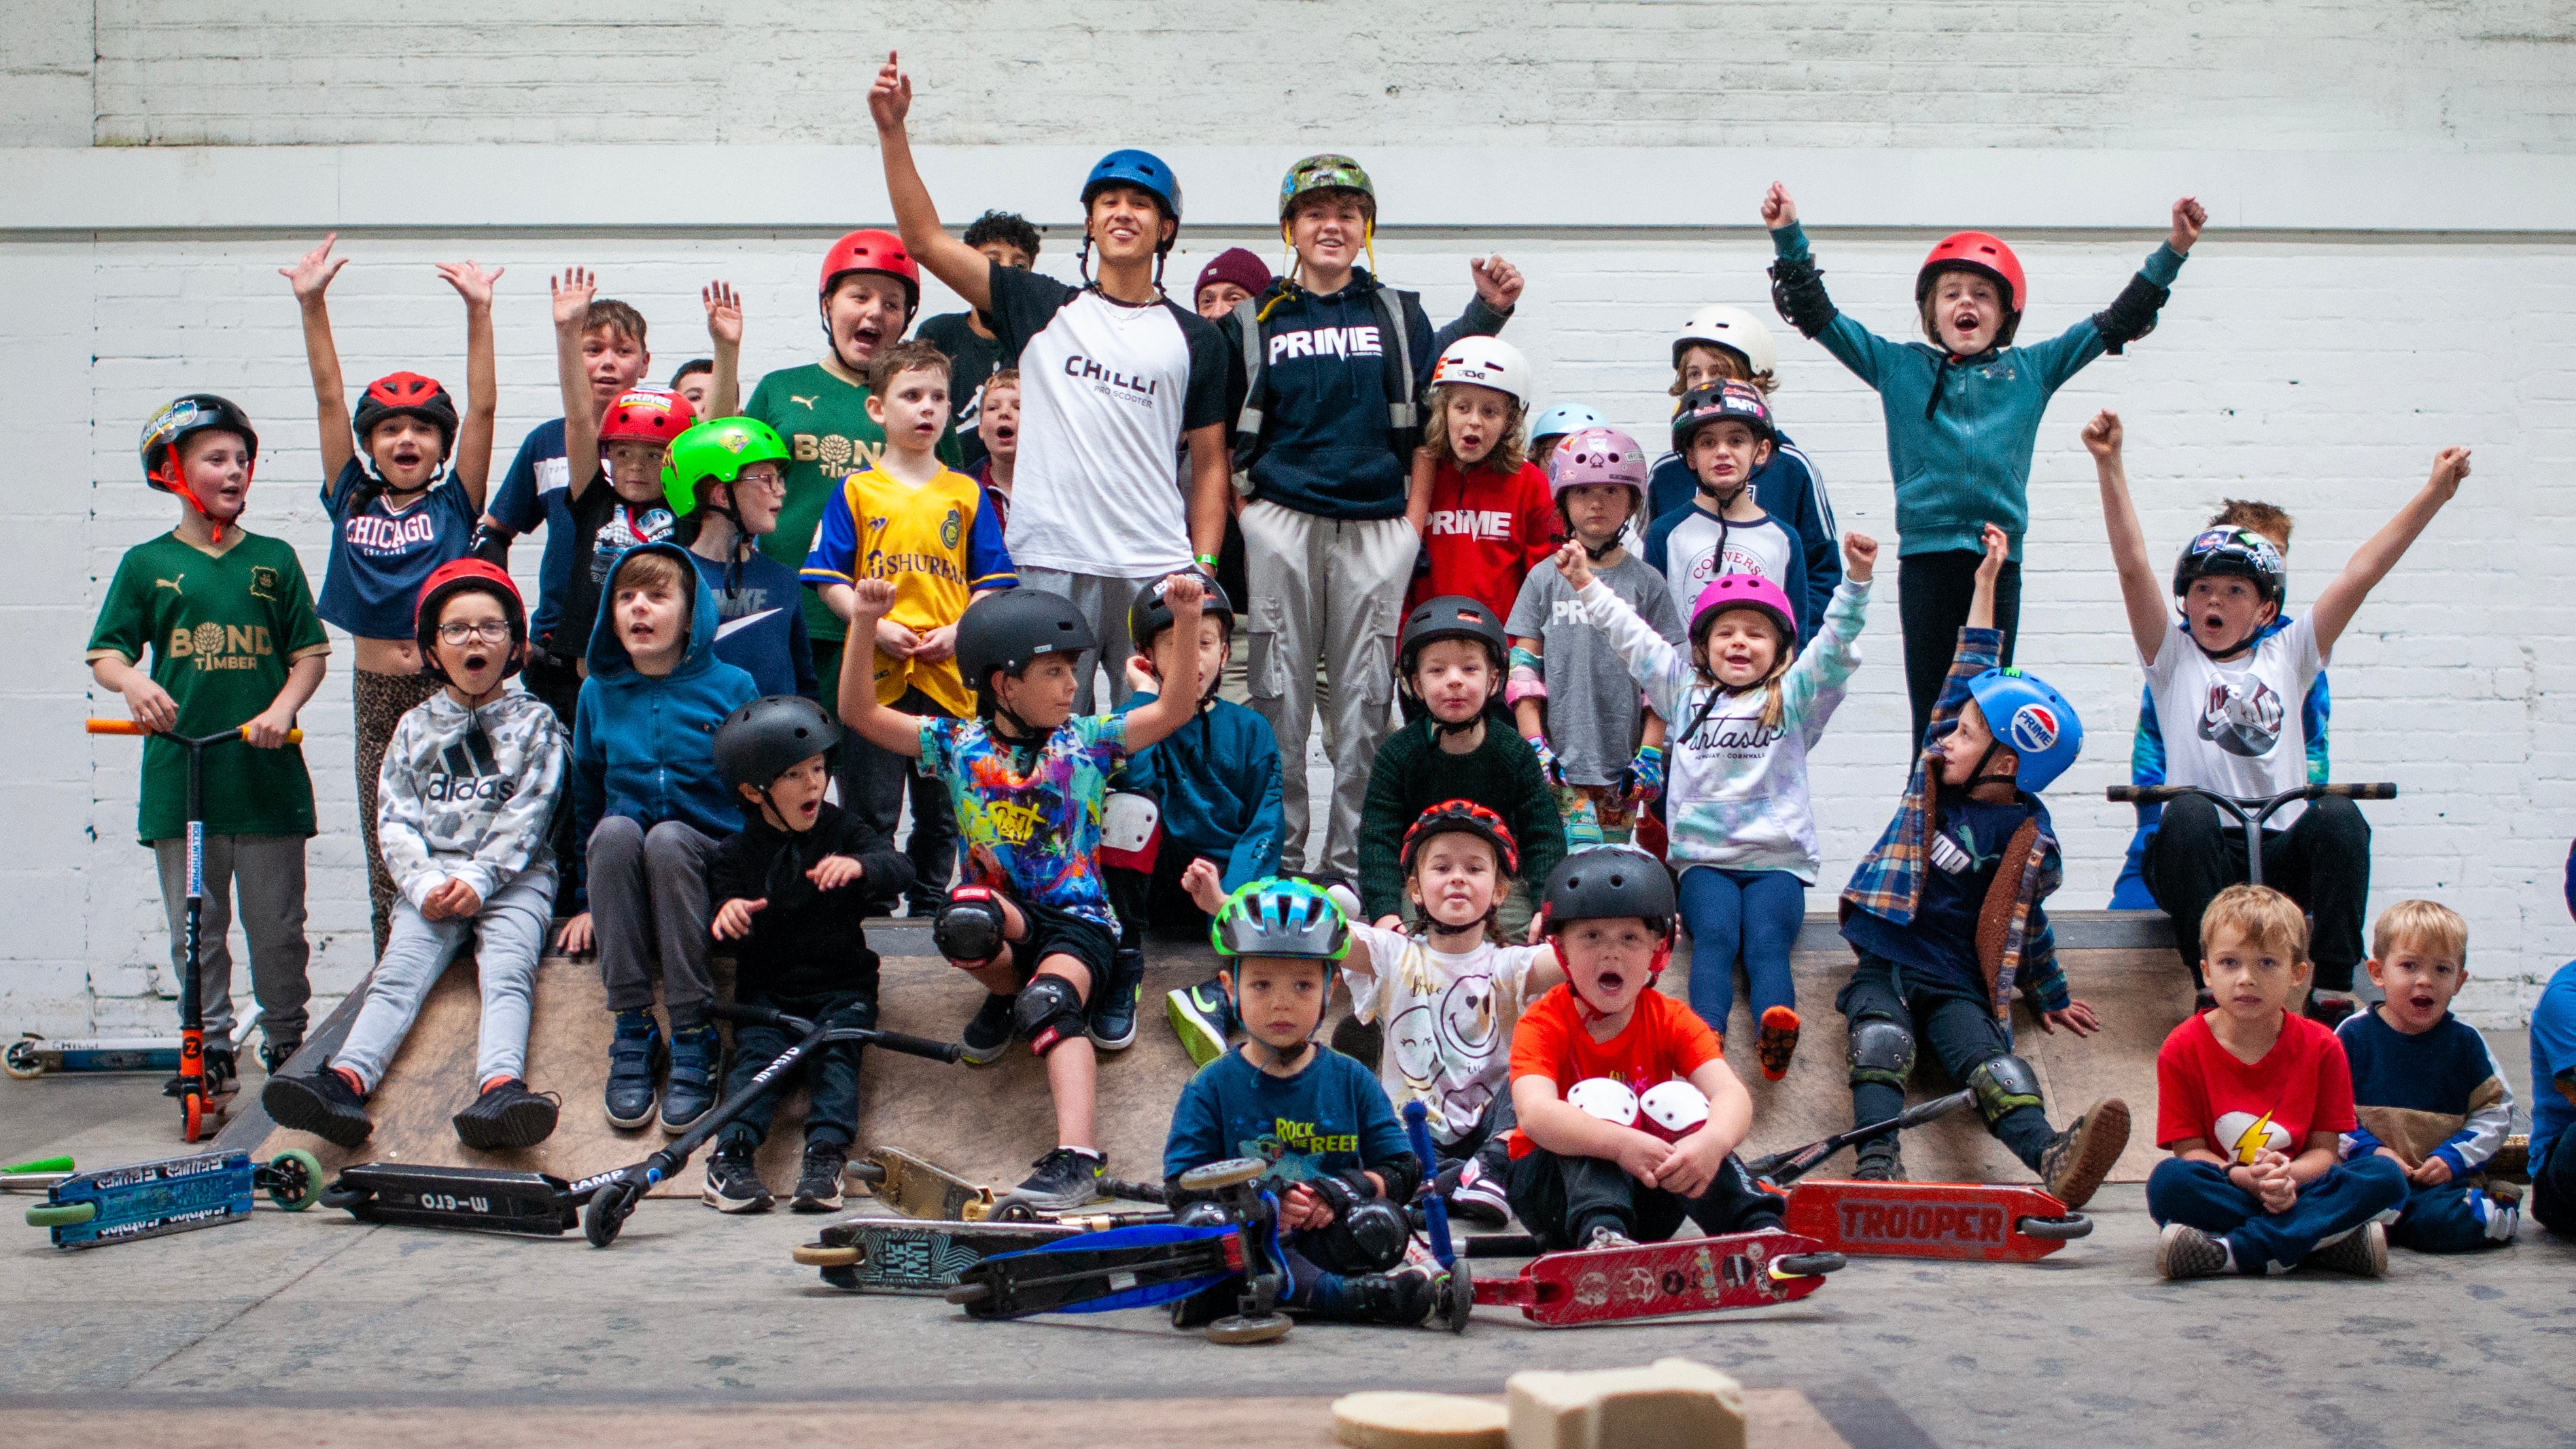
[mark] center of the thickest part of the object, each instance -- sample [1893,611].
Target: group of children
[1573,690]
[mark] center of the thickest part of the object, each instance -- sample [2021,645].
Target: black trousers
[2322,861]
[1959,1027]
[1562,1199]
[875,784]
[1932,594]
[1155,900]
[830,1074]
[2553,1183]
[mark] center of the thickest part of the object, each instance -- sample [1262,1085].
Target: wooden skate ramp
[989,1123]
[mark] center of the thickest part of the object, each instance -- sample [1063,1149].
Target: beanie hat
[1236,265]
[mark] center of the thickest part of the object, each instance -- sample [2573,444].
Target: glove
[1643,781]
[1546,759]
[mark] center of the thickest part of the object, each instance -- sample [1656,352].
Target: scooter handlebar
[2383,790]
[130,727]
[917,1046]
[2160,794]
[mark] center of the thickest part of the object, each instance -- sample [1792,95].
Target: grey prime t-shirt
[1593,709]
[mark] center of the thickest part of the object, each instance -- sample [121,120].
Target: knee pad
[2003,1084]
[1047,1011]
[968,930]
[1369,1236]
[1881,1052]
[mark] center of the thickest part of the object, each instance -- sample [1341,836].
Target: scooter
[2250,811]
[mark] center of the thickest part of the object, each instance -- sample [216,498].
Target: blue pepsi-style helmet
[2033,721]
[1565,418]
[1141,169]
[1281,916]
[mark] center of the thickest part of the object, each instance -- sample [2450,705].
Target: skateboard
[174,1195]
[32,1056]
[1977,1222]
[894,1255]
[1652,1280]
[473,1199]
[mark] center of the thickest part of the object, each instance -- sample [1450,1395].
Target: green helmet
[1281,916]
[718,449]
[1327,172]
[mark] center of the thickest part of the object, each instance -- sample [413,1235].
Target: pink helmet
[1743,591]
[1598,456]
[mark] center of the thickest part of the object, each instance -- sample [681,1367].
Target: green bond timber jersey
[823,416]
[221,629]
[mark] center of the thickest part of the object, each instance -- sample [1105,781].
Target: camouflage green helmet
[1327,172]
[718,449]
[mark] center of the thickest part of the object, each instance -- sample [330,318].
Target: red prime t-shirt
[1486,531]
[2202,1090]
[1663,1040]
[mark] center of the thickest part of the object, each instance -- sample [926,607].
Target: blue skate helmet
[1565,418]
[2032,720]
[1141,169]
[1281,916]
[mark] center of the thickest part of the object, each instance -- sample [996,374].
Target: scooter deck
[34,1056]
[1652,1280]
[889,1255]
[156,1199]
[918,1188]
[470,1199]
[1975,1222]
[1055,1279]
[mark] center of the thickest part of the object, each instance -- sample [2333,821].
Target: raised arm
[1179,700]
[572,293]
[473,459]
[311,277]
[882,727]
[2372,561]
[1981,601]
[966,271]
[2140,592]
[724,329]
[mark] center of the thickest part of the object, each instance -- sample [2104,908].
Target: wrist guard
[2131,315]
[1798,291]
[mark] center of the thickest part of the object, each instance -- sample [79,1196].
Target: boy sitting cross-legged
[2251,1099]
[1945,916]
[1028,777]
[795,883]
[1339,1159]
[470,785]
[2429,1093]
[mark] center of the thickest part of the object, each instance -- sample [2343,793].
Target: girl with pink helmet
[1746,705]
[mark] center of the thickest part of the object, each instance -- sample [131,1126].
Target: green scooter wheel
[61,1215]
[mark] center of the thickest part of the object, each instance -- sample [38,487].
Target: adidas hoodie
[469,794]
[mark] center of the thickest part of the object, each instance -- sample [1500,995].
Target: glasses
[494,632]
[766,481]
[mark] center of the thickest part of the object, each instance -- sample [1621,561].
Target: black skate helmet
[767,737]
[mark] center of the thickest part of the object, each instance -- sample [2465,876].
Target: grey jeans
[1104,602]
[509,934]
[267,871]
[648,902]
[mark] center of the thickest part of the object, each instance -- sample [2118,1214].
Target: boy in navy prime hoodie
[648,799]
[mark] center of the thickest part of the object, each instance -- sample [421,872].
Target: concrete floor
[693,1309]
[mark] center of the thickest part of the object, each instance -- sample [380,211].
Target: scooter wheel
[1227,1173]
[817,1255]
[1238,1330]
[295,1179]
[1457,1298]
[1014,1210]
[2055,1230]
[21,1061]
[606,1215]
[1804,1265]
[61,1214]
[192,1116]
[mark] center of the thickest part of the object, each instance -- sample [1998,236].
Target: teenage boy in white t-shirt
[1114,377]
[2226,697]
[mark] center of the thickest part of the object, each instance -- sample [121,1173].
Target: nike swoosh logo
[731,626]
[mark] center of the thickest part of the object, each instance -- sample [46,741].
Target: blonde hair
[2429,926]
[2267,519]
[2263,916]
[1761,381]
[1510,450]
[1002,377]
[653,570]
[1775,704]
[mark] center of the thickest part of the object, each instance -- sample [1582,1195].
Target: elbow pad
[2131,315]
[1526,681]
[1798,291]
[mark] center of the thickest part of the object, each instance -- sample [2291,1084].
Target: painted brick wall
[2276,374]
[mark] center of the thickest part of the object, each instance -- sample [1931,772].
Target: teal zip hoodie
[1960,430]
[643,747]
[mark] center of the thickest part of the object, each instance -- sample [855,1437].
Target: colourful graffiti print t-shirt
[1034,832]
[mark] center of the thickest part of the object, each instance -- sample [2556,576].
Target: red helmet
[451,578]
[1461,817]
[873,251]
[646,415]
[405,395]
[1974,251]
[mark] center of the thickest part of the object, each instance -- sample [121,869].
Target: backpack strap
[1403,411]
[1245,324]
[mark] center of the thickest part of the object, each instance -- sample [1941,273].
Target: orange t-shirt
[1663,1040]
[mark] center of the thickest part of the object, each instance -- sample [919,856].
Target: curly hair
[1510,451]
[1007,227]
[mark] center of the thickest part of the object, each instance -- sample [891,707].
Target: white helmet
[1733,328]
[1486,362]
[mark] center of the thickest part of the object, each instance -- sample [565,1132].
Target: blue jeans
[2199,1194]
[509,934]
[1752,914]
[2451,1218]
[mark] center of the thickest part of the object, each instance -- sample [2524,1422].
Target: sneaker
[507,1117]
[1208,1304]
[1202,1018]
[2328,1009]
[1113,1007]
[1067,1178]
[1403,1297]
[697,1056]
[1880,1161]
[818,1185]
[733,1179]
[274,1055]
[2076,1160]
[1779,1042]
[222,1069]
[2184,1251]
[2363,1252]
[322,1103]
[635,1055]
[989,1034]
[1605,1236]
[1479,1199]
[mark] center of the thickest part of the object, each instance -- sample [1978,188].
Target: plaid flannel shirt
[1889,882]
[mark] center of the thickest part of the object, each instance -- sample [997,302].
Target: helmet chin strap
[1978,777]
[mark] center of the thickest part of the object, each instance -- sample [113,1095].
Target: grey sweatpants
[509,934]
[648,903]
[1328,590]
[268,873]
[1104,602]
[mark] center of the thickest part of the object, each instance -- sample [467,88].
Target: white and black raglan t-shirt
[2235,728]
[1106,392]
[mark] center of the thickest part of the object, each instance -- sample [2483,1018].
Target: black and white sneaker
[322,1103]
[1606,1236]
[1065,1179]
[818,1186]
[507,1117]
[2363,1252]
[1880,1161]
[1479,1199]
[989,1034]
[2183,1251]
[733,1179]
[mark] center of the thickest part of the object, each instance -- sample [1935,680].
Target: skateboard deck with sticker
[900,1255]
[1977,1222]
[1652,1280]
